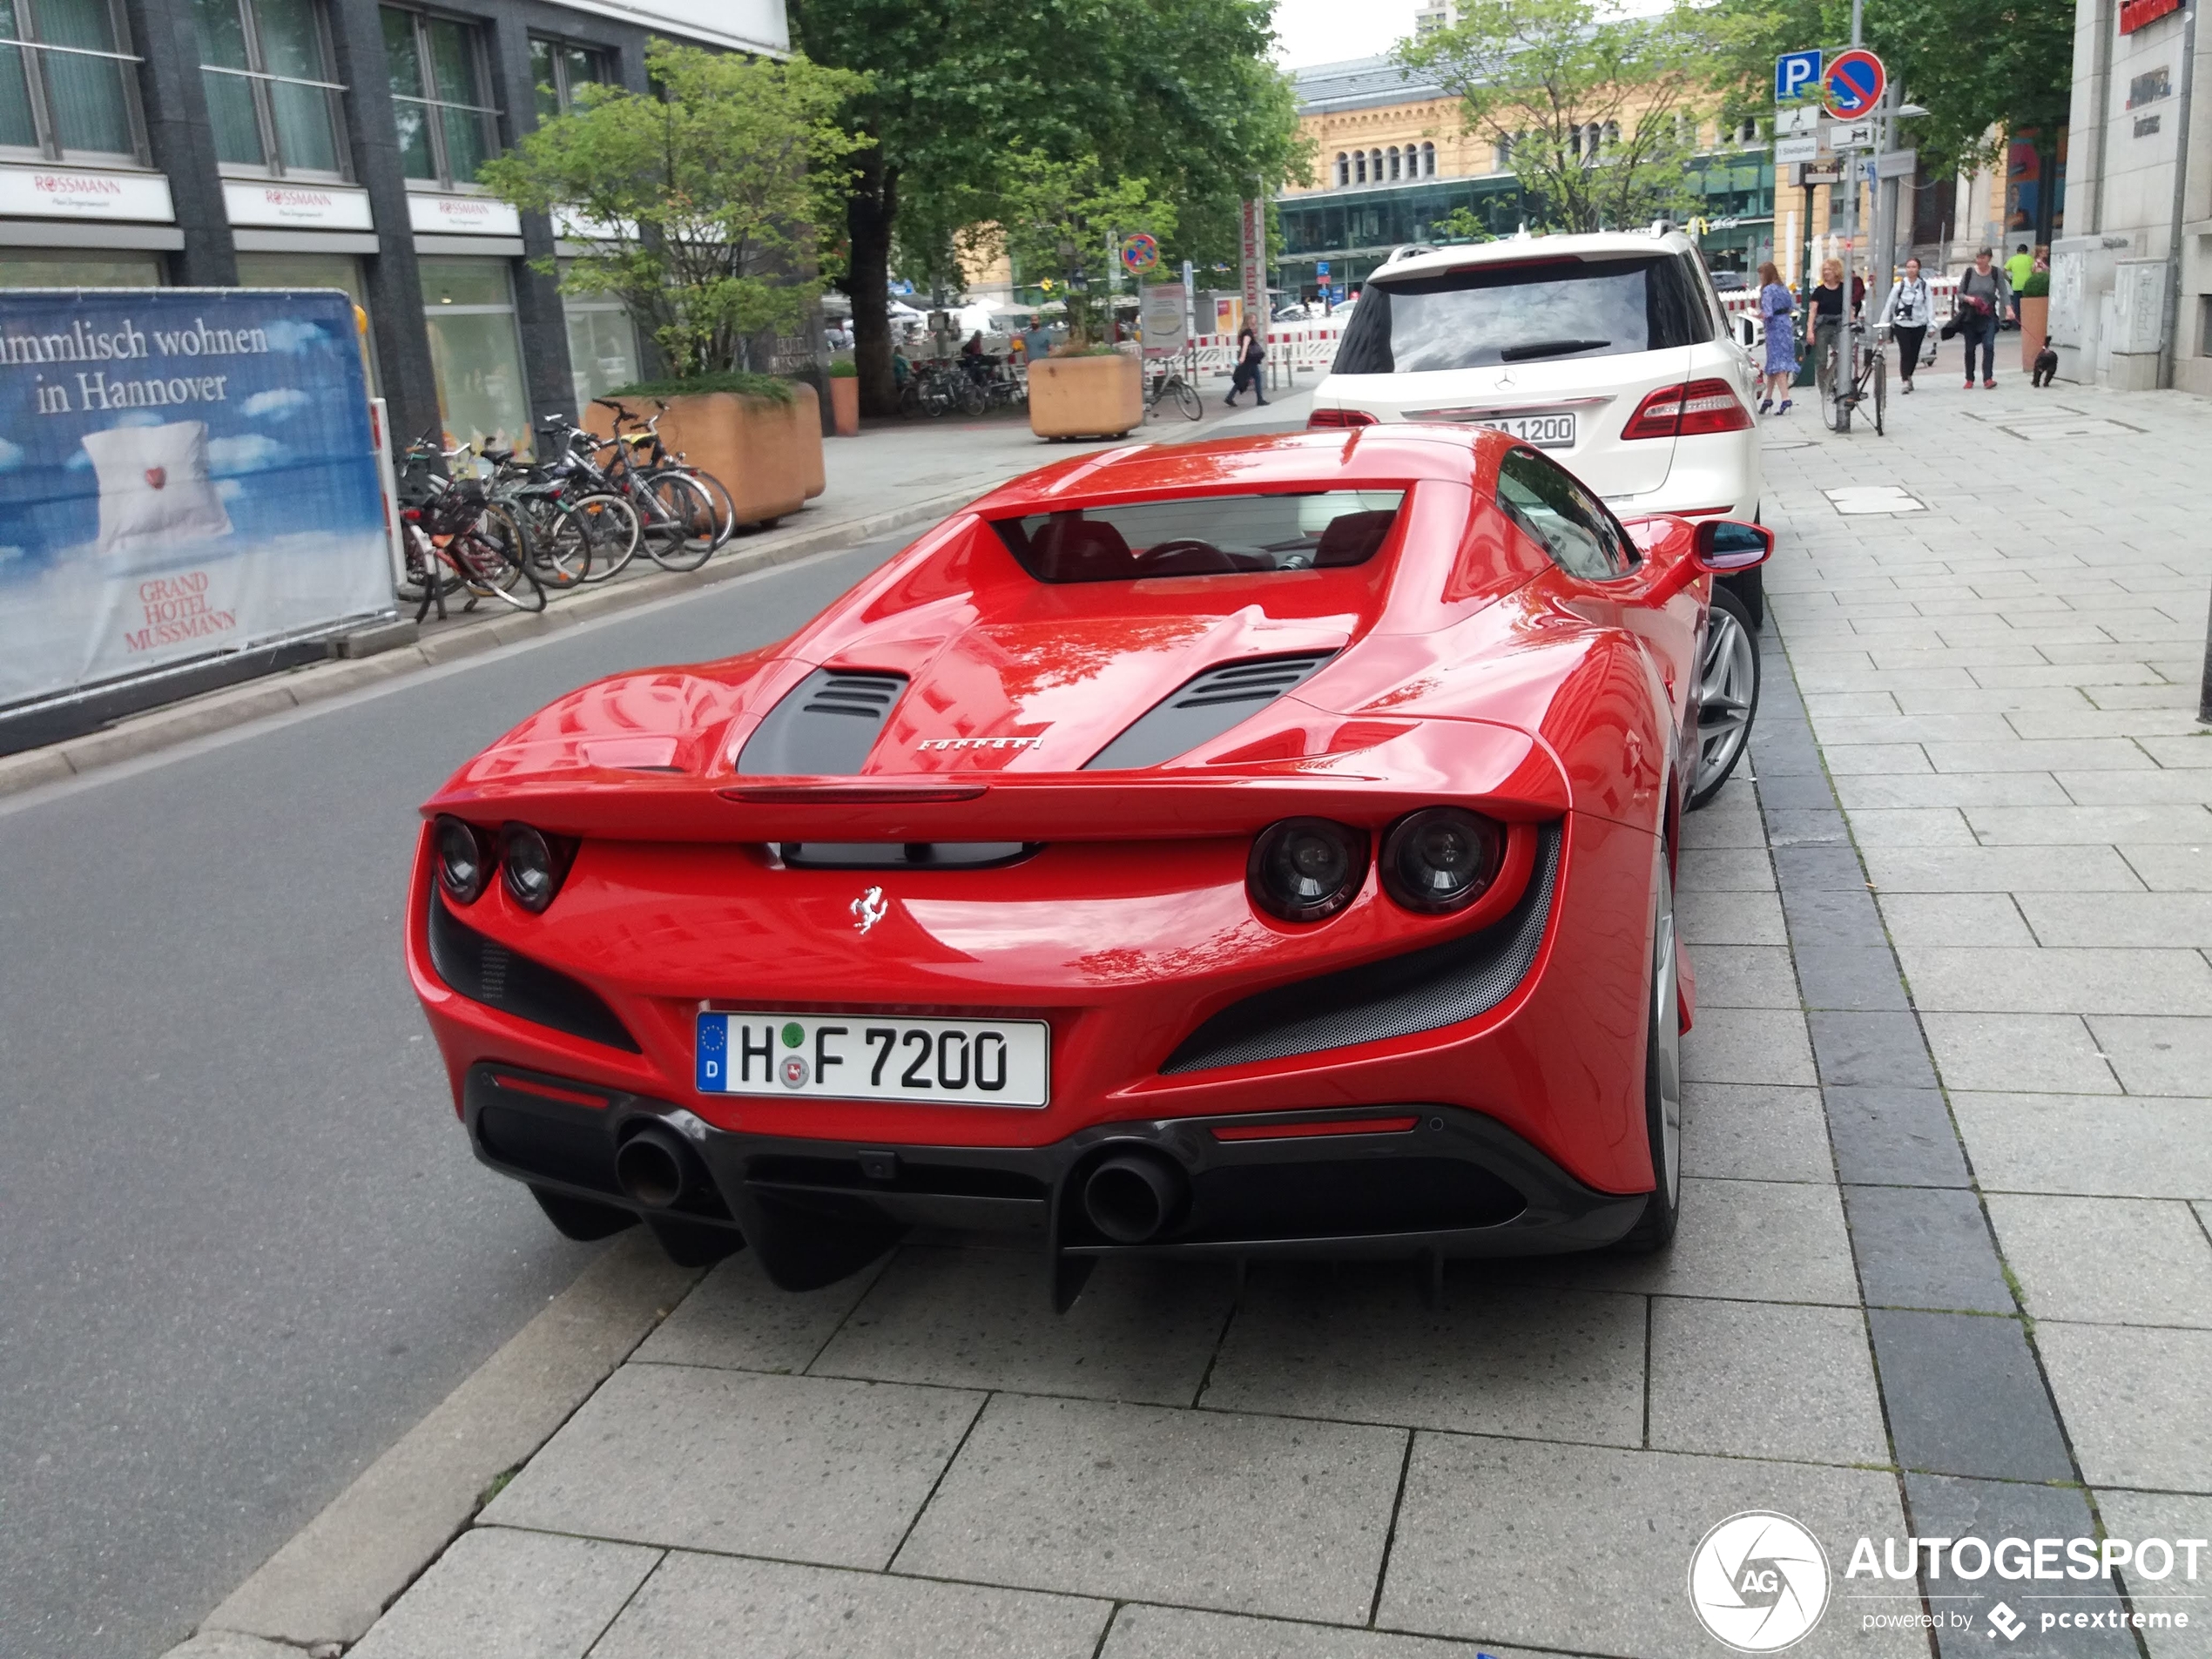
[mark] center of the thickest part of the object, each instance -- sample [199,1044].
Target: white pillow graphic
[154,484]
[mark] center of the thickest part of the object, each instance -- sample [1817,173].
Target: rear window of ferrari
[1536,311]
[1203,536]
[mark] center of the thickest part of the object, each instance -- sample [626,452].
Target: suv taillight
[1338,417]
[1689,411]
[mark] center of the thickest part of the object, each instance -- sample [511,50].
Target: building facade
[2131,272]
[333,144]
[1395,163]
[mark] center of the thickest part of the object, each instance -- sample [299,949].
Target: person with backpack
[1984,296]
[1908,311]
[1250,356]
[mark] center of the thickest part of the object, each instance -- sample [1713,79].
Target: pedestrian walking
[1908,311]
[1250,356]
[1827,304]
[1984,296]
[1778,317]
[2017,270]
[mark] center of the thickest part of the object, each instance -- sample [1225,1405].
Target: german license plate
[1545,431]
[858,1056]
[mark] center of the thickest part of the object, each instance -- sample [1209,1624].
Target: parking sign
[1796,74]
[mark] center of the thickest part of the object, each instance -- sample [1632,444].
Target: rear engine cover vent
[825,727]
[1205,708]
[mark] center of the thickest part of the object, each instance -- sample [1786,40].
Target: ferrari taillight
[1338,418]
[1688,411]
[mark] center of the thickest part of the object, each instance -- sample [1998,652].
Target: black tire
[1727,697]
[1655,1228]
[580,1218]
[679,521]
[1881,391]
[1187,400]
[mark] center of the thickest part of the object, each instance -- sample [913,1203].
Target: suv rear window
[1529,311]
[1203,536]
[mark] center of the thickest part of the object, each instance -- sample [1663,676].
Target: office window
[557,68]
[66,87]
[447,123]
[271,96]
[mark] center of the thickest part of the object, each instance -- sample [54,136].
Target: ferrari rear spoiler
[1493,769]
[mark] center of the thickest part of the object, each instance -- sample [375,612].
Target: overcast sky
[1327,32]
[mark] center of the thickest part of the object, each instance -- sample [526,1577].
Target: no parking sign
[1854,84]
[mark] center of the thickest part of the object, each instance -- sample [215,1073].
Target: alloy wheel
[1728,681]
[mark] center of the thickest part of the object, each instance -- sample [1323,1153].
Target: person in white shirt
[1908,310]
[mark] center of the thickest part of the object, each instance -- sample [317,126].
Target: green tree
[701,206]
[1060,216]
[1178,93]
[1595,112]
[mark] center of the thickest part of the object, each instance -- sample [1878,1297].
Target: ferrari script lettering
[929,745]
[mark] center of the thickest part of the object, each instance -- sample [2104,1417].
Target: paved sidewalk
[1943,1266]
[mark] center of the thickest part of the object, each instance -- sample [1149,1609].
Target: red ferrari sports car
[1254,847]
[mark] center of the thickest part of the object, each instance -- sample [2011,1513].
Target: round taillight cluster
[1436,860]
[529,862]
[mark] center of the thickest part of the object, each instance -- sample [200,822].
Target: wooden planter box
[1086,397]
[806,437]
[767,454]
[845,404]
[2035,322]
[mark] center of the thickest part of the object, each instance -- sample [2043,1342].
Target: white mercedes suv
[1609,352]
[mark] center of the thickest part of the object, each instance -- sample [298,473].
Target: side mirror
[1723,545]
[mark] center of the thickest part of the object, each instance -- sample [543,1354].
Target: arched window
[1428,161]
[1394,163]
[1374,165]
[1360,160]
[1612,134]
[1343,168]
[1505,154]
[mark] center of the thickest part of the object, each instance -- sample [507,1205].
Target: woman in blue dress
[1778,315]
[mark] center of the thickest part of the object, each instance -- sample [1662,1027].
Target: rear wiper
[1547,348]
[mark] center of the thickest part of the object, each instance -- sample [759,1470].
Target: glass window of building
[468,306]
[558,68]
[271,97]
[67,91]
[25,268]
[449,126]
[1428,161]
[602,346]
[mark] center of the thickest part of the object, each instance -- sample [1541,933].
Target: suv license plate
[1545,431]
[861,1056]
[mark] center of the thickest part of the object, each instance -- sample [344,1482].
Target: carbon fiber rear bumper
[1404,1181]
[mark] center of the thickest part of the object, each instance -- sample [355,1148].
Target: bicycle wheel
[972,400]
[681,533]
[725,510]
[1186,399]
[489,554]
[559,564]
[1881,391]
[606,527]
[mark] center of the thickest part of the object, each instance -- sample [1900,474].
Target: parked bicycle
[641,455]
[454,536]
[1853,374]
[572,523]
[1169,386]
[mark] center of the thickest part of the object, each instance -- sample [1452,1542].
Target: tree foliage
[964,94]
[1596,112]
[1060,217]
[700,206]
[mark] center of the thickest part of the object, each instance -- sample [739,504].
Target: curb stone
[234,705]
[332,1579]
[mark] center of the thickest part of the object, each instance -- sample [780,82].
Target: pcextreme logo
[1758,1582]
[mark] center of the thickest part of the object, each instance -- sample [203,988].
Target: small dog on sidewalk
[2046,363]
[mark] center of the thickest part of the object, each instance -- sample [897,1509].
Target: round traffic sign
[1140,252]
[1854,84]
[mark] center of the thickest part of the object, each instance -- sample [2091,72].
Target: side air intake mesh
[483,970]
[1419,991]
[1203,708]
[825,727]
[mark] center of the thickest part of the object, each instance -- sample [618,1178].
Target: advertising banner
[182,472]
[1161,320]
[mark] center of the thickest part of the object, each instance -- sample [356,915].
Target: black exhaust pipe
[1133,1197]
[654,1168]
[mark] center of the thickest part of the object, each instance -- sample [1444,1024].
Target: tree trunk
[870,211]
[2046,180]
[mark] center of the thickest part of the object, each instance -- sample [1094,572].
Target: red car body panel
[1468,671]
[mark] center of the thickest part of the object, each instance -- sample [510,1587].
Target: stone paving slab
[1142,1632]
[498,1594]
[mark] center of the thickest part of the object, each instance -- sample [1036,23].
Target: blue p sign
[1795,74]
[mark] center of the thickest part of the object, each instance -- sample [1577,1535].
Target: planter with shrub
[1094,393]
[760,436]
[2035,316]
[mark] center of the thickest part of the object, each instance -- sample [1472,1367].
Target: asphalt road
[243,1246]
